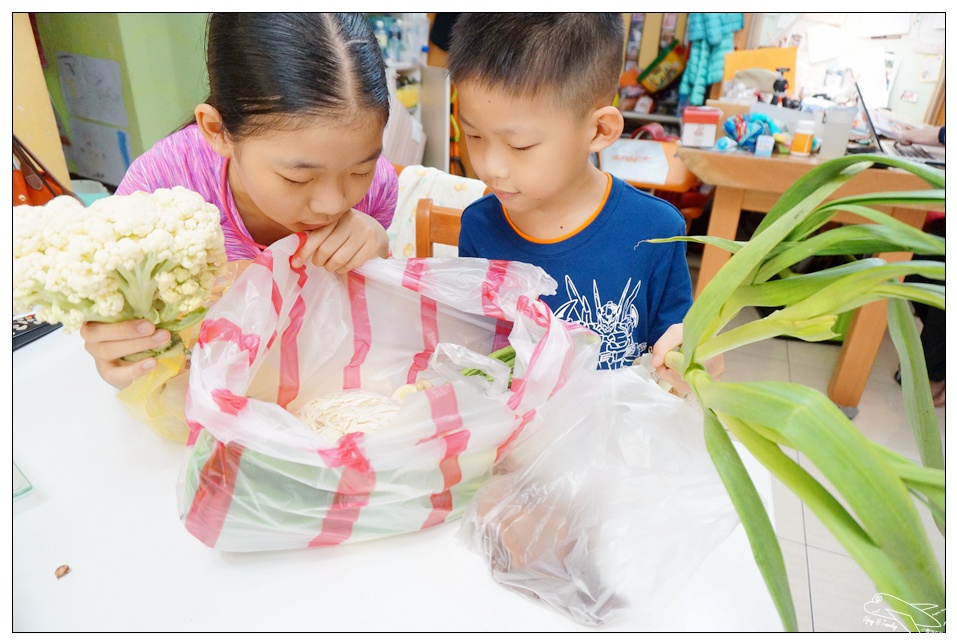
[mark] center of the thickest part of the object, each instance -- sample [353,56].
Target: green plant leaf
[929,294]
[843,168]
[872,510]
[754,518]
[843,294]
[861,239]
[918,403]
[187,321]
[877,497]
[720,242]
[772,326]
[732,275]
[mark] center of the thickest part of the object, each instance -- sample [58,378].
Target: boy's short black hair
[571,59]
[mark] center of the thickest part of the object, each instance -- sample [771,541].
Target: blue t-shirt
[629,293]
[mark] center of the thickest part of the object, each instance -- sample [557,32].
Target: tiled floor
[829,587]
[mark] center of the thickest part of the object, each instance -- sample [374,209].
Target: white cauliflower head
[151,256]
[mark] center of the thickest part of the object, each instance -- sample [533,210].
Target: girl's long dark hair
[292,65]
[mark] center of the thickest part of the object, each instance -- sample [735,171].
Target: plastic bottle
[394,47]
[803,138]
[415,37]
[381,34]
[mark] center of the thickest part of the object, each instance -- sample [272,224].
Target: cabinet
[435,105]
[423,93]
[33,118]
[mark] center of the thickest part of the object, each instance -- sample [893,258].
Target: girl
[289,140]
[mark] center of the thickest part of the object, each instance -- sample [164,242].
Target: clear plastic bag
[259,479]
[607,503]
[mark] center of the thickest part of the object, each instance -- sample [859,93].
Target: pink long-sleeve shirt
[186,159]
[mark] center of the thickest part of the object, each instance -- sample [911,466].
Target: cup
[837,131]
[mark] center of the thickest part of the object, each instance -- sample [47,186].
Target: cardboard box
[699,126]
[728,108]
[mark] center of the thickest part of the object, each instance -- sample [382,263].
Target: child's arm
[669,341]
[346,244]
[927,135]
[108,343]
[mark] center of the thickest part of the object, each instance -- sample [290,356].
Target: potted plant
[874,513]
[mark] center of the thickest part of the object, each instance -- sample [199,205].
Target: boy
[535,102]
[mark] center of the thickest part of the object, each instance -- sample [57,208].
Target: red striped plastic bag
[258,479]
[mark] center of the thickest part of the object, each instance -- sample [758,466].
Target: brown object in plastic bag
[537,545]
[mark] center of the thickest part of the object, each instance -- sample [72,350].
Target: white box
[699,126]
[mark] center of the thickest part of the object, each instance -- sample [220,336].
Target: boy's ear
[211,126]
[609,124]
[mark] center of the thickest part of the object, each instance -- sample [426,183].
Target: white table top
[104,503]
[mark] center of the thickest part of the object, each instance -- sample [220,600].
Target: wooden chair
[435,225]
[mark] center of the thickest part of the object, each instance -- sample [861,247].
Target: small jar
[803,138]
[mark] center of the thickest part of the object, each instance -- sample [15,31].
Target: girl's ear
[609,124]
[211,125]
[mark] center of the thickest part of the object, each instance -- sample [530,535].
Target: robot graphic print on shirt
[614,321]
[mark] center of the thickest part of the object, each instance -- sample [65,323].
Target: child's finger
[674,379]
[109,332]
[344,260]
[121,374]
[314,241]
[335,249]
[115,349]
[669,340]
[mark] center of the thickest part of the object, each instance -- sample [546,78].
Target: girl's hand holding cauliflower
[109,343]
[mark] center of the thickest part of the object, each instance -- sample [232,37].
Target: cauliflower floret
[152,256]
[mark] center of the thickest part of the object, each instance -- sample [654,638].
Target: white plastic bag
[607,503]
[259,479]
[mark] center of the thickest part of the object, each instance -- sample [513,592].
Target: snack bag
[259,478]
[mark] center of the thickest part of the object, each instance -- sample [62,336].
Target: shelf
[658,118]
[403,66]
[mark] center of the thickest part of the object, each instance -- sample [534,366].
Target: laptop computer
[929,154]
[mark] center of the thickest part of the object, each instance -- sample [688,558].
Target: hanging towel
[444,189]
[711,36]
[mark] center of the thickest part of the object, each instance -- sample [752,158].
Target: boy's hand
[669,341]
[108,343]
[345,244]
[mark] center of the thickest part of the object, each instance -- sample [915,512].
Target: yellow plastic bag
[158,399]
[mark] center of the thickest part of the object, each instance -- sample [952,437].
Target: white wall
[827,39]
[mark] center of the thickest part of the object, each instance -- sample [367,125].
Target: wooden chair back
[435,225]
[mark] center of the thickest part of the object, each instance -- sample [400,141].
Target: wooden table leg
[858,352]
[725,214]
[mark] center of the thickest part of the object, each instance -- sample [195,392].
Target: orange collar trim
[584,224]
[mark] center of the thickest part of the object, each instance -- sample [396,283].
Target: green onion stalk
[864,493]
